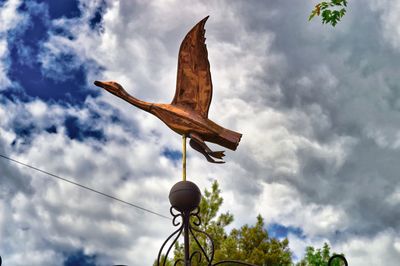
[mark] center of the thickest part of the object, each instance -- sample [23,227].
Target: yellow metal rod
[184,157]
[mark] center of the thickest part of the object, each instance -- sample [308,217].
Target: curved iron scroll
[163,260]
[337,256]
[188,226]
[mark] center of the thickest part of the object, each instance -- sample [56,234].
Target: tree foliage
[318,257]
[250,244]
[331,12]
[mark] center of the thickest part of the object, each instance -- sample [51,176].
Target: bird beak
[111,87]
[108,86]
[101,84]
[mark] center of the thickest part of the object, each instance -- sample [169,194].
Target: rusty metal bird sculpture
[187,114]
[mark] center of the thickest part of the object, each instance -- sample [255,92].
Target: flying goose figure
[188,112]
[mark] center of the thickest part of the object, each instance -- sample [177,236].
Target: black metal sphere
[185,196]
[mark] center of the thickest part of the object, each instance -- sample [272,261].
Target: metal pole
[186,217]
[186,214]
[184,157]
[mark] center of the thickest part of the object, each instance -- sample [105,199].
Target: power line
[85,187]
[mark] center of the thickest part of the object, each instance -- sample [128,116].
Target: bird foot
[211,160]
[216,154]
[214,161]
[201,147]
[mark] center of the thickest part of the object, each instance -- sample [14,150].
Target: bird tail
[229,139]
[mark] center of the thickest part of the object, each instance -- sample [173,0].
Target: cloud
[318,108]
[389,16]
[54,217]
[9,19]
[380,249]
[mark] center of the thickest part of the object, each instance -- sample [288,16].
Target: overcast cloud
[318,108]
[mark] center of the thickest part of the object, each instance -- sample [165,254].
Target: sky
[318,107]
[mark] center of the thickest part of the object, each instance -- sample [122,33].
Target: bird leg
[197,143]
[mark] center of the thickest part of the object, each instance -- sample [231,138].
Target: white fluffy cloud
[52,217]
[9,20]
[318,108]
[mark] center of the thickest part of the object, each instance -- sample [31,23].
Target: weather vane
[187,114]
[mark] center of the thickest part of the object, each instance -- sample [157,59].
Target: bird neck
[146,106]
[121,93]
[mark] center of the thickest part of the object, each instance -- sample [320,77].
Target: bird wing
[193,85]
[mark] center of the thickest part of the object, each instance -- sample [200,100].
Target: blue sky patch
[52,129]
[24,129]
[36,29]
[280,231]
[64,80]
[23,134]
[95,22]
[63,31]
[76,130]
[78,258]
[172,154]
[63,8]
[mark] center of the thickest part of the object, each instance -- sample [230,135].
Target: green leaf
[312,15]
[342,12]
[330,11]
[324,5]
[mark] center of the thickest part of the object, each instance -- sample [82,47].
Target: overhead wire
[85,187]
